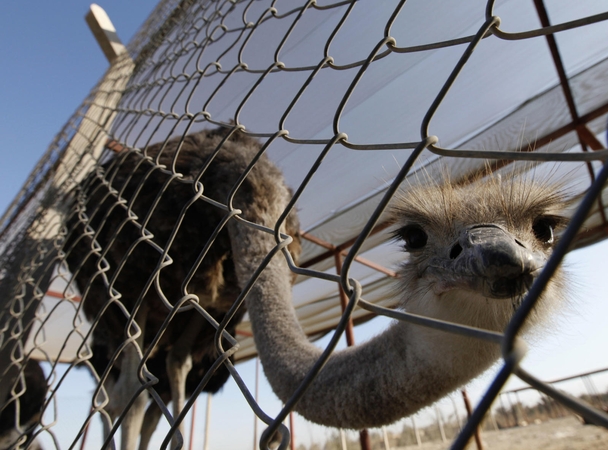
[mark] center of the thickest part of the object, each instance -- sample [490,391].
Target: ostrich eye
[414,237]
[543,229]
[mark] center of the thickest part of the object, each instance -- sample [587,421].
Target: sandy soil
[560,434]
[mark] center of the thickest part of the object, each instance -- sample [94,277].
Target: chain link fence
[349,100]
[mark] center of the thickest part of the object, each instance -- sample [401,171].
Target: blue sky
[50,61]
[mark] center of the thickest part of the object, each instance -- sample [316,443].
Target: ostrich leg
[179,364]
[108,417]
[126,386]
[133,420]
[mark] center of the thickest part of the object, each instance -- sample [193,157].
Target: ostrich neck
[391,376]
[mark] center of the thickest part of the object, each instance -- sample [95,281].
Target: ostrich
[472,253]
[140,241]
[31,389]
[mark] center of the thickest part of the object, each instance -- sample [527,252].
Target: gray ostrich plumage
[471,254]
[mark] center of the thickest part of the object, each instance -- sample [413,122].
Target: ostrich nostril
[519,243]
[456,250]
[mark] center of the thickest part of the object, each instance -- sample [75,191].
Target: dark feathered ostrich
[30,390]
[140,243]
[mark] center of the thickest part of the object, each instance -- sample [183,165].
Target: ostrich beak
[489,260]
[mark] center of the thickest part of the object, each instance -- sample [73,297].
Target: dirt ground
[560,434]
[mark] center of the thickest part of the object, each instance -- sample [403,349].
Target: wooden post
[440,424]
[458,419]
[416,433]
[343,439]
[387,444]
[493,419]
[89,140]
[207,422]
[192,423]
[105,33]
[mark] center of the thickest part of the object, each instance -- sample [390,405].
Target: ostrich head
[472,253]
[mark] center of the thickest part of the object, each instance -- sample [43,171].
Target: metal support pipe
[584,137]
[467,405]
[292,431]
[350,341]
[257,392]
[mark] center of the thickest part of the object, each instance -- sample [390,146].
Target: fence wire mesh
[349,99]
